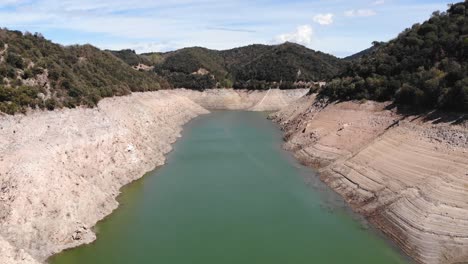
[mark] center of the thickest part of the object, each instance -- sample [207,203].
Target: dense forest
[37,73]
[426,66]
[250,67]
[363,53]
[130,57]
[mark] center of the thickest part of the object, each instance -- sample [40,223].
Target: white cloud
[302,35]
[147,25]
[324,19]
[378,2]
[360,13]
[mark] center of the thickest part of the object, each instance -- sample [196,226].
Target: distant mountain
[130,57]
[35,72]
[360,54]
[287,63]
[426,66]
[252,67]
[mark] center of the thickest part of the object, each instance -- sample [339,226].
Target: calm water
[229,194]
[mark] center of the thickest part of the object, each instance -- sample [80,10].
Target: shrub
[51,104]
[15,60]
[27,74]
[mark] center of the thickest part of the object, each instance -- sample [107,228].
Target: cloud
[378,2]
[360,13]
[324,19]
[147,25]
[302,35]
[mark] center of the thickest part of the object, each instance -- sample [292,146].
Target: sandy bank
[407,175]
[61,171]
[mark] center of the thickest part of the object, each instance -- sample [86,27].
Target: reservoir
[228,195]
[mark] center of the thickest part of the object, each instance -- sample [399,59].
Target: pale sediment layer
[406,174]
[61,171]
[230,99]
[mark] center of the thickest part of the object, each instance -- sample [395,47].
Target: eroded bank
[60,171]
[407,174]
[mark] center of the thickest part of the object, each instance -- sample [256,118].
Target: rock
[408,177]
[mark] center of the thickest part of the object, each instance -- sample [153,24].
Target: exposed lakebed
[230,194]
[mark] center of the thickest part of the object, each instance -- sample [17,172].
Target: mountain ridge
[255,66]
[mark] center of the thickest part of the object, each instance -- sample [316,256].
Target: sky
[338,27]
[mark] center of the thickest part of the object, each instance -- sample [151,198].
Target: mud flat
[407,174]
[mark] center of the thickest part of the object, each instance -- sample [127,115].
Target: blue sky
[338,27]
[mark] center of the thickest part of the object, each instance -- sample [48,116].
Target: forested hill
[363,53]
[426,66]
[252,67]
[36,73]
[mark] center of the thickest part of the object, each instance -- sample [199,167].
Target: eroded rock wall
[60,171]
[406,174]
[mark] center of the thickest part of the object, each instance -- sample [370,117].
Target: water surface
[229,194]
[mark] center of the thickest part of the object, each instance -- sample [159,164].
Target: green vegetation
[363,53]
[250,67]
[130,57]
[181,68]
[17,99]
[426,66]
[154,57]
[292,62]
[38,73]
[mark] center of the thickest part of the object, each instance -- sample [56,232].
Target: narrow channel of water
[229,194]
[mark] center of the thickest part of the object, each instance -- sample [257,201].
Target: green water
[229,194]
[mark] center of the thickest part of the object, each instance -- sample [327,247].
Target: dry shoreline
[59,180]
[405,174]
[61,171]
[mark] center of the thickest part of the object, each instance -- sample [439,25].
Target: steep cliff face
[61,171]
[409,176]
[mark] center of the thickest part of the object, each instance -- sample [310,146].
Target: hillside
[37,73]
[130,57]
[426,66]
[251,67]
[289,62]
[360,54]
[196,68]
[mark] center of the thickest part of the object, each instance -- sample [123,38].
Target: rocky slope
[408,175]
[61,171]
